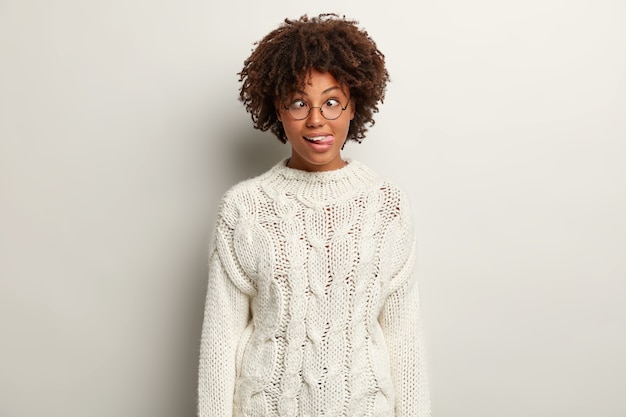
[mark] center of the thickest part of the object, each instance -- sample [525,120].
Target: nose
[315,117]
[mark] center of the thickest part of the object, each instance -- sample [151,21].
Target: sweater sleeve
[226,315]
[401,325]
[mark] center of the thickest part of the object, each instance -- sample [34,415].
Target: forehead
[319,83]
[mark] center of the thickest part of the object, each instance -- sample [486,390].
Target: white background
[120,129]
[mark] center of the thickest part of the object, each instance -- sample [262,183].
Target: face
[316,141]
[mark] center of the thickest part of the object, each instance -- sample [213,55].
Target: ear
[277,109]
[352,109]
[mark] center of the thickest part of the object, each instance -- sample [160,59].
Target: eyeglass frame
[321,110]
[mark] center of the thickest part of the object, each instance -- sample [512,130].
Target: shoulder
[377,179]
[392,193]
[238,200]
[245,196]
[241,191]
[253,185]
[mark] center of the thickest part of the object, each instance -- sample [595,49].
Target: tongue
[325,139]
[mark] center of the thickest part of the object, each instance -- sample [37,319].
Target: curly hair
[328,43]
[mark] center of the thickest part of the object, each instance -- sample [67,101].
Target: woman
[312,306]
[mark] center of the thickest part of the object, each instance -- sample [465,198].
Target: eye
[331,102]
[298,104]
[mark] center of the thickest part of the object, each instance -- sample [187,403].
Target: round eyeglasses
[331,109]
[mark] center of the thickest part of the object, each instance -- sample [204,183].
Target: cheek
[291,128]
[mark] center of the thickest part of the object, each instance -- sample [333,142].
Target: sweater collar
[318,188]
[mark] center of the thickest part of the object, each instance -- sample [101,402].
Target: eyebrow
[328,90]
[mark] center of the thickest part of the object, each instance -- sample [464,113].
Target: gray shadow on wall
[258,152]
[249,153]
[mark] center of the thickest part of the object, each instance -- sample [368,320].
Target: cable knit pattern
[312,307]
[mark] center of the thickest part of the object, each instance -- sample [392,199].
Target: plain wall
[120,129]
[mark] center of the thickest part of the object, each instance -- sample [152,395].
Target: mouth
[319,139]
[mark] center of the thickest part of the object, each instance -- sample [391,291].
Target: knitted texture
[312,308]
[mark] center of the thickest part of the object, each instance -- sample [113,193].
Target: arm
[226,315]
[401,324]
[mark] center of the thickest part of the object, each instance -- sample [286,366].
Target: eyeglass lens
[331,109]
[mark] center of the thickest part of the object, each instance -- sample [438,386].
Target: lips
[320,139]
[320,142]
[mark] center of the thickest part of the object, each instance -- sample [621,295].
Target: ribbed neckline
[319,188]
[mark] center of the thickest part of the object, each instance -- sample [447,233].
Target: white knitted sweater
[312,306]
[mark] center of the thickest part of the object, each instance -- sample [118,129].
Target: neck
[296,163]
